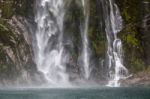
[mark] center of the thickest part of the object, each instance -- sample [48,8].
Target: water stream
[85,52]
[50,55]
[114,24]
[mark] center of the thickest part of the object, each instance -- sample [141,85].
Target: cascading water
[49,54]
[85,52]
[113,23]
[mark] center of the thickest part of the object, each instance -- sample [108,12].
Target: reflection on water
[89,93]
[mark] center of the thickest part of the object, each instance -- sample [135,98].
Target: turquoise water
[89,93]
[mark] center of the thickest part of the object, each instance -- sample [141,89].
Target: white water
[85,52]
[49,54]
[113,22]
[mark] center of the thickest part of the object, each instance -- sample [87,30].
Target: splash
[114,24]
[49,52]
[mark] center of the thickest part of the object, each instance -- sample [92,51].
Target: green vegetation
[96,36]
[7,9]
[134,40]
[15,53]
[131,35]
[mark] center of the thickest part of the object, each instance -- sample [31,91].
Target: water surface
[78,93]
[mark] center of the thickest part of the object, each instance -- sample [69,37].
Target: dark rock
[139,79]
[16,63]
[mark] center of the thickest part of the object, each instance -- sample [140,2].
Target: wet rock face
[135,35]
[18,7]
[139,79]
[145,30]
[15,40]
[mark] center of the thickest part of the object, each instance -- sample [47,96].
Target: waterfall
[84,30]
[113,23]
[49,52]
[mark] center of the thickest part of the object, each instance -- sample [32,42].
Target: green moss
[131,40]
[130,10]
[137,65]
[126,15]
[130,37]
[7,9]
[16,7]
[96,35]
[133,48]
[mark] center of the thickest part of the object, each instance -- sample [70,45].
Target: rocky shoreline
[136,80]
